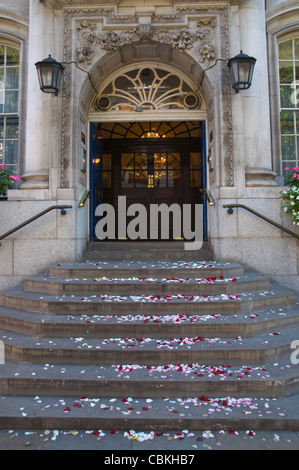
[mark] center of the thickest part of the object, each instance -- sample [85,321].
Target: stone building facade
[136,73]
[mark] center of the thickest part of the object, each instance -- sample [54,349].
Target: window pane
[12,78]
[160,179]
[12,56]
[127,160]
[174,161]
[11,101]
[141,161]
[288,165]
[286,73]
[141,179]
[1,89]
[11,152]
[106,179]
[286,50]
[195,160]
[195,179]
[288,148]
[174,179]
[106,161]
[13,169]
[286,94]
[12,127]
[160,161]
[296,49]
[127,179]
[287,122]
[1,127]
[2,54]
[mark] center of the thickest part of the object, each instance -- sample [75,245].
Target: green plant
[6,179]
[290,196]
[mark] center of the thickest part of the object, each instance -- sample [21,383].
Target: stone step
[142,269]
[250,282]
[193,414]
[270,347]
[149,254]
[171,380]
[153,326]
[127,245]
[127,339]
[276,297]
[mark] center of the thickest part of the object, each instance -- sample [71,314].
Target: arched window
[9,106]
[288,51]
[147,88]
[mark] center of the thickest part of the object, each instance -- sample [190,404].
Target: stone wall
[51,239]
[245,238]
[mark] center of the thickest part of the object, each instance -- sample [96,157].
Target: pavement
[120,448]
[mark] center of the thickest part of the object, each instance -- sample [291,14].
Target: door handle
[150,181]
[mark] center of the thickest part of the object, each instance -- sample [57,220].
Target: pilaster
[256,107]
[39,104]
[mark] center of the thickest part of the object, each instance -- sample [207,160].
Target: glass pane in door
[141,167]
[134,168]
[127,170]
[167,170]
[195,169]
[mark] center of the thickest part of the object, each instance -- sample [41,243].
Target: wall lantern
[241,69]
[49,75]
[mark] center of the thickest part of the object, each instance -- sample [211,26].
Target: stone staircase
[149,337]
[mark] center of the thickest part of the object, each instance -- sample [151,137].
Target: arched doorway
[147,152]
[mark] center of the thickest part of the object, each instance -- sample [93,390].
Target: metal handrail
[284,229]
[27,222]
[84,198]
[209,196]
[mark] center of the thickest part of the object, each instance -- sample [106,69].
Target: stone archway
[145,52]
[193,42]
[113,102]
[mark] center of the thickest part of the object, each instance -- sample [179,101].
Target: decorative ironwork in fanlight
[147,88]
[148,130]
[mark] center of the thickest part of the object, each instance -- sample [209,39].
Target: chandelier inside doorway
[147,88]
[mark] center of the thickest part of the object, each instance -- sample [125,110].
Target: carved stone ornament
[181,39]
[84,37]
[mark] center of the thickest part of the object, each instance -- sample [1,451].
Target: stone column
[38,143]
[256,106]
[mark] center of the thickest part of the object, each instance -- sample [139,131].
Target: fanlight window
[147,88]
[149,130]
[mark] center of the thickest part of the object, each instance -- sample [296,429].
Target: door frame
[96,148]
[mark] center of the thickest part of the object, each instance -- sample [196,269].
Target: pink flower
[16,178]
[286,169]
